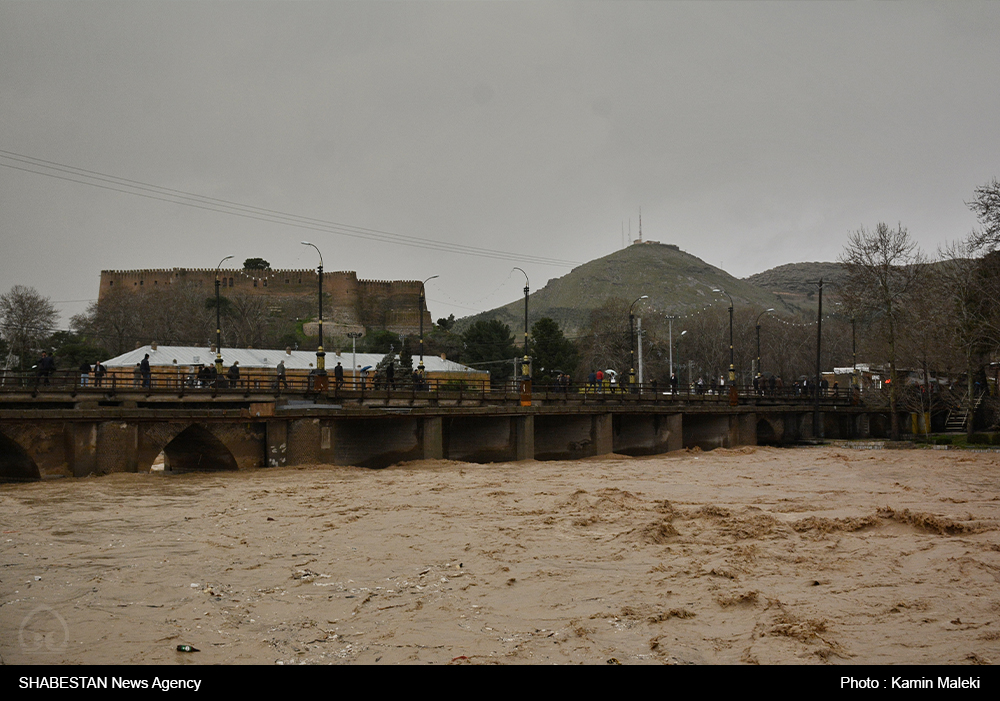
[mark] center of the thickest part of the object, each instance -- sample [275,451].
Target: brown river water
[746,556]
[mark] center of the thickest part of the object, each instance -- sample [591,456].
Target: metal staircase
[958,417]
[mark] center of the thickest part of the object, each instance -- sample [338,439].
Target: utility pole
[819,343]
[639,326]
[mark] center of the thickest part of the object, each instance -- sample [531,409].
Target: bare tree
[986,205]
[26,319]
[965,305]
[248,315]
[882,267]
[605,341]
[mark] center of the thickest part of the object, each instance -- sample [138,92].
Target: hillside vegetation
[677,283]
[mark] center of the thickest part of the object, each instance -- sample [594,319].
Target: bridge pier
[433,438]
[488,438]
[648,434]
[709,431]
[572,436]
[118,448]
[81,448]
[276,446]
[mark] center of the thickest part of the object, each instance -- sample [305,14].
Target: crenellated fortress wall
[374,304]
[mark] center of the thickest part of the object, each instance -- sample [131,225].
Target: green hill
[676,282]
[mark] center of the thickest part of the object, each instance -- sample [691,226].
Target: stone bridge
[49,436]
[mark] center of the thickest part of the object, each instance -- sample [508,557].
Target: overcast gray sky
[750,134]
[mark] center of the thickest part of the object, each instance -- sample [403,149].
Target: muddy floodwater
[748,556]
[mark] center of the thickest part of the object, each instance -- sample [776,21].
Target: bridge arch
[770,431]
[197,449]
[16,465]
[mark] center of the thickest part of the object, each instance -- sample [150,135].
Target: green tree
[380,341]
[256,264]
[551,351]
[72,349]
[406,360]
[489,345]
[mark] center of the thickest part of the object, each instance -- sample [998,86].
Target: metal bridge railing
[252,382]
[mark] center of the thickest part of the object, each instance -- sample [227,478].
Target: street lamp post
[732,363]
[819,344]
[320,354]
[759,374]
[854,352]
[420,367]
[631,338]
[526,361]
[218,322]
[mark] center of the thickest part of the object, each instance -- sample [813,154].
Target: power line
[138,188]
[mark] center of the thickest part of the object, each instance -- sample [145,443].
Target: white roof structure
[168,356]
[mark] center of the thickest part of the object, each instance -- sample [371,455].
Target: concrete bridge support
[489,438]
[568,437]
[647,434]
[380,442]
[375,442]
[709,431]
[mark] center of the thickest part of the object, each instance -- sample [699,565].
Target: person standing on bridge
[99,372]
[338,376]
[84,373]
[46,366]
[282,381]
[234,374]
[145,372]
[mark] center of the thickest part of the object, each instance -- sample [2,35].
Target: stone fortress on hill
[349,304]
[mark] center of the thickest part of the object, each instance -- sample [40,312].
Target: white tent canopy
[169,356]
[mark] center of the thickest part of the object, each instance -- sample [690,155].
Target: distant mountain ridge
[796,282]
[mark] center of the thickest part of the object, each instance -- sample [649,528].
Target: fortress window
[111,283]
[265,283]
[230,282]
[254,283]
[140,282]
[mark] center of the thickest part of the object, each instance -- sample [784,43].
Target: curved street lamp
[674,374]
[631,338]
[320,355]
[420,367]
[218,321]
[759,374]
